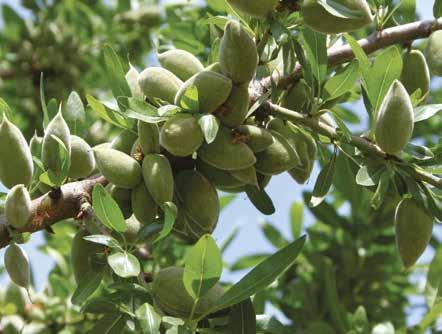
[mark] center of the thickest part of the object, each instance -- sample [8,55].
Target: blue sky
[283,190]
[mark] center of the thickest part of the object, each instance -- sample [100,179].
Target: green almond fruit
[258,139]
[134,226]
[181,135]
[35,145]
[132,80]
[224,153]
[149,137]
[317,17]
[124,141]
[298,98]
[16,166]
[213,90]
[17,297]
[82,159]
[123,198]
[181,63]
[394,122]
[118,168]
[414,227]
[81,253]
[199,199]
[143,205]
[247,176]
[158,178]
[433,53]
[172,298]
[218,177]
[238,56]
[50,151]
[159,83]
[17,265]
[234,111]
[304,145]
[415,72]
[259,9]
[18,206]
[146,16]
[278,157]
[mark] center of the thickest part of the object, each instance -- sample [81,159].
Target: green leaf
[270,325]
[107,210]
[419,152]
[261,276]
[109,324]
[248,261]
[369,176]
[203,266]
[6,109]
[323,182]
[74,114]
[116,73]
[381,191]
[315,45]
[57,178]
[105,240]
[228,241]
[260,199]
[43,103]
[226,200]
[431,316]
[296,218]
[109,115]
[361,56]
[342,82]
[87,286]
[242,318]
[434,278]
[124,264]
[386,68]
[148,318]
[423,113]
[170,214]
[274,235]
[437,9]
[209,124]
[190,99]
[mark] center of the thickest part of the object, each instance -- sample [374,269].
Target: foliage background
[241,213]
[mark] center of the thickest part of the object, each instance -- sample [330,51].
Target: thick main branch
[402,34]
[55,206]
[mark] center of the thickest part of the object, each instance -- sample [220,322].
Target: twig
[49,209]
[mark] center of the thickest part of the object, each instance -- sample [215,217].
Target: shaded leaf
[242,318]
[323,182]
[107,210]
[87,286]
[170,214]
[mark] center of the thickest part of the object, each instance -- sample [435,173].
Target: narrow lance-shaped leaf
[342,82]
[87,286]
[170,214]
[324,182]
[261,276]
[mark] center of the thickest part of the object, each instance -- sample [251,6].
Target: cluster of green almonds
[171,161]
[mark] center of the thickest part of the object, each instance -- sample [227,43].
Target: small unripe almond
[18,206]
[82,159]
[415,72]
[181,63]
[261,8]
[238,56]
[414,227]
[433,53]
[16,166]
[394,122]
[181,135]
[157,82]
[320,19]
[158,178]
[50,151]
[213,90]
[17,265]
[118,168]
